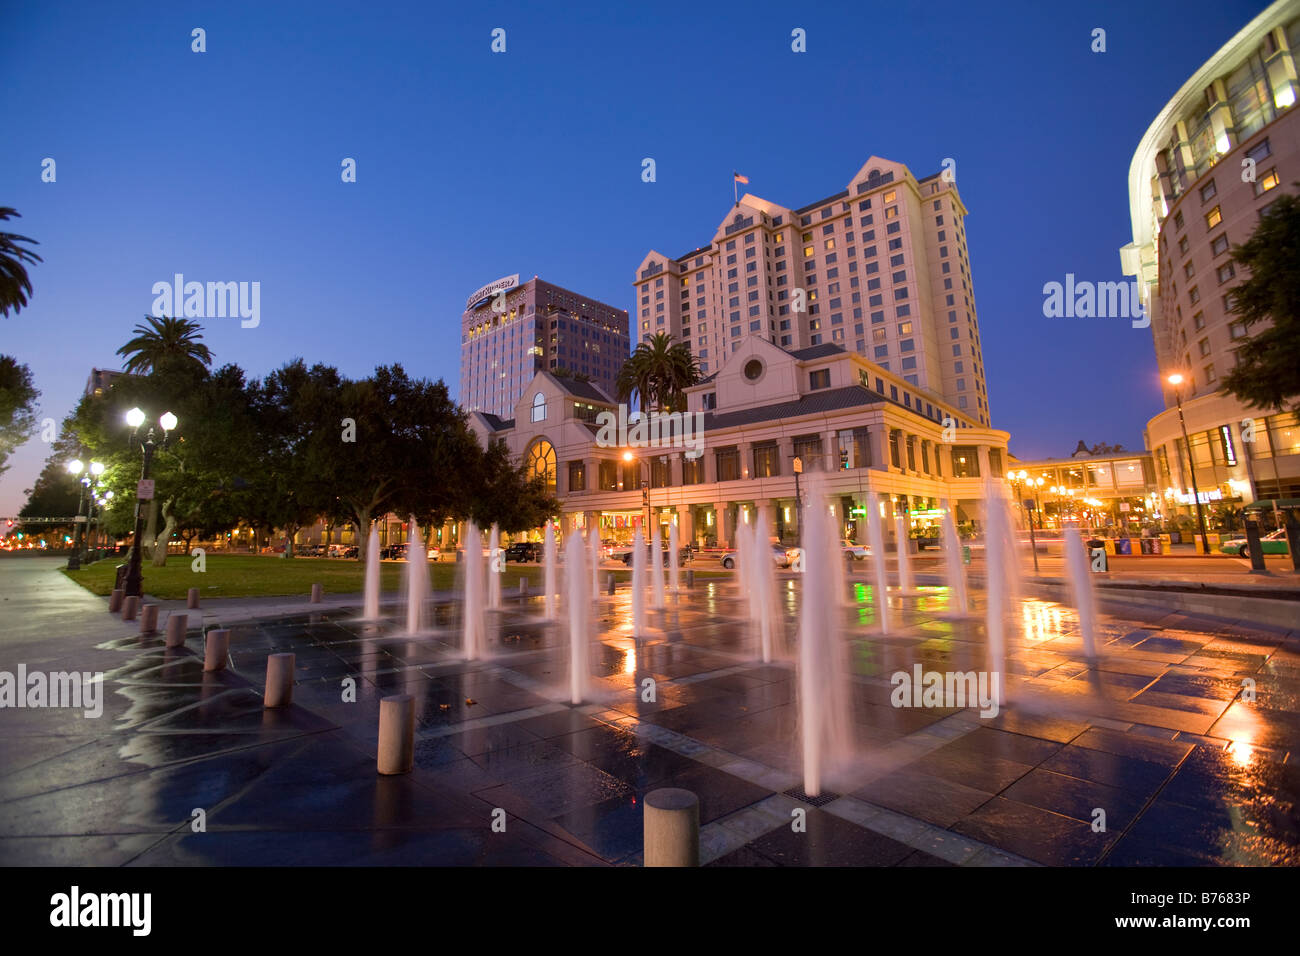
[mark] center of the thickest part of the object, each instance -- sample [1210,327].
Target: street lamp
[1017,478]
[75,468]
[645,490]
[1176,380]
[135,418]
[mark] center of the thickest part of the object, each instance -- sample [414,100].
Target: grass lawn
[250,575]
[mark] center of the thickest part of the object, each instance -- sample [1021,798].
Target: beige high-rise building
[881,268]
[1217,156]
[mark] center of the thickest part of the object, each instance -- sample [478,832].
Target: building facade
[881,268]
[1116,491]
[1217,156]
[510,332]
[865,428]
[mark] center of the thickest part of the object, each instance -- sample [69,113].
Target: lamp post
[1176,380]
[75,468]
[1017,479]
[135,418]
[645,490]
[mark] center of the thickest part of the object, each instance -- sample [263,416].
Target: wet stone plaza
[1149,754]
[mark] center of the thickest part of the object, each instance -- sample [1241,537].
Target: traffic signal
[844,459]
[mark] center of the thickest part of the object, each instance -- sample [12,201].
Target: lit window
[1266,182]
[1213,218]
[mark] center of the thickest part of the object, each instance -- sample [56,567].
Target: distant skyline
[225,166]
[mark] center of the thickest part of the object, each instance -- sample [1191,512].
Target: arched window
[539,407]
[540,460]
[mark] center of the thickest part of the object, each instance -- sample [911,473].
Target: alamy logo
[56,689]
[215,300]
[1094,300]
[103,909]
[947,690]
[651,430]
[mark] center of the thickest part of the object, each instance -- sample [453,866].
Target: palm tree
[164,341]
[15,287]
[659,371]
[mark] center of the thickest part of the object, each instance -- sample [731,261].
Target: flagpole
[735,189]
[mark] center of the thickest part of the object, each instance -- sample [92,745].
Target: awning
[1268,503]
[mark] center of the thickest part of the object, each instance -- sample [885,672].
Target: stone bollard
[176,626]
[848,563]
[317,591]
[611,584]
[671,828]
[148,618]
[192,599]
[396,734]
[690,577]
[130,607]
[215,650]
[523,587]
[115,601]
[279,680]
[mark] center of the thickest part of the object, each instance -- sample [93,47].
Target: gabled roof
[818,351]
[496,423]
[587,390]
[829,400]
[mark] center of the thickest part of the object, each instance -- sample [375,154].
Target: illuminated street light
[1176,380]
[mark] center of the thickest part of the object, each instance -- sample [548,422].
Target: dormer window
[539,407]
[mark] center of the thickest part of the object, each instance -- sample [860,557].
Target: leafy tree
[659,372]
[57,492]
[18,396]
[1267,375]
[505,493]
[165,342]
[15,286]
[1102,448]
[296,410]
[413,453]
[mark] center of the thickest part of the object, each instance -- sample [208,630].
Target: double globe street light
[135,418]
[1176,380]
[75,468]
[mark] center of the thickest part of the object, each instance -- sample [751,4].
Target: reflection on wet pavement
[1176,740]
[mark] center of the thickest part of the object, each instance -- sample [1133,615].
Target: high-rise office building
[1215,159]
[881,268]
[510,332]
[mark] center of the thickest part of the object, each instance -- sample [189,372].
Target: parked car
[435,553]
[780,554]
[626,556]
[524,551]
[394,552]
[1273,543]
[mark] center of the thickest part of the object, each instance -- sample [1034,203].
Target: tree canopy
[1267,374]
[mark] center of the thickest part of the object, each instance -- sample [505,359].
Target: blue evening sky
[225,166]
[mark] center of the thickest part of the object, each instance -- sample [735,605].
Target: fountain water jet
[579,607]
[998,555]
[474,616]
[1085,598]
[657,566]
[674,582]
[638,586]
[904,555]
[370,606]
[496,567]
[758,577]
[952,556]
[877,538]
[552,560]
[593,542]
[417,579]
[825,707]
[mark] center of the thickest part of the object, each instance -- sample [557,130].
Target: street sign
[81,519]
[144,490]
[798,465]
[1029,504]
[1125,506]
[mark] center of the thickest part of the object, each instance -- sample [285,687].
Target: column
[720,523]
[686,524]
[982,455]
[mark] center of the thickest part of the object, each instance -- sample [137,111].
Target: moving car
[1273,543]
[780,554]
[524,551]
[625,555]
